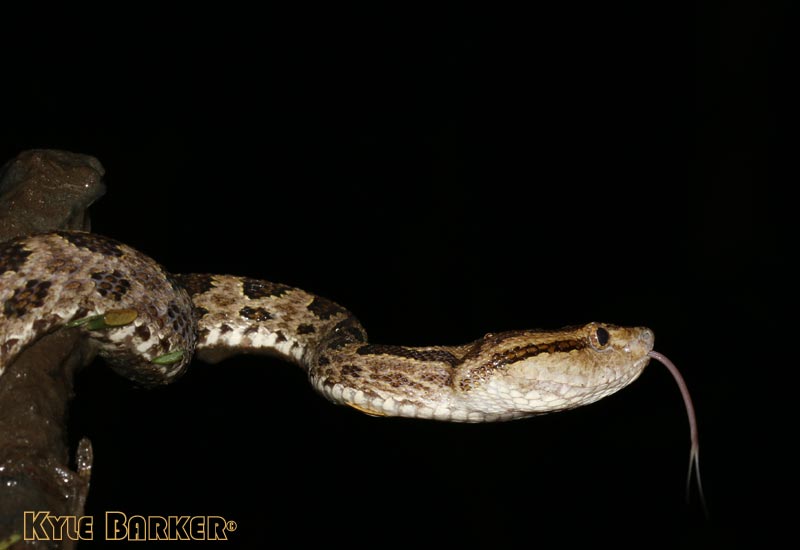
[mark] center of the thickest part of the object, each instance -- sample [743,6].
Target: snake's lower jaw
[548,385]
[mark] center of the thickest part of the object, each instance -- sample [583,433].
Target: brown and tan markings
[32,295]
[114,284]
[255,288]
[502,360]
[200,311]
[178,320]
[353,371]
[93,243]
[325,309]
[397,380]
[410,353]
[12,257]
[195,283]
[49,279]
[520,353]
[347,331]
[255,313]
[143,332]
[305,328]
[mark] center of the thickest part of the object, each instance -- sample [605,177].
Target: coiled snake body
[149,324]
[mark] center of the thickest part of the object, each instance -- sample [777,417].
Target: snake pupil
[602,336]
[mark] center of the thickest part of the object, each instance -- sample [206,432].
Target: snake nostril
[647,337]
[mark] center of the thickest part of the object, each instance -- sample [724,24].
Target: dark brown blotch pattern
[397,380]
[347,331]
[174,317]
[324,308]
[12,256]
[352,371]
[200,311]
[142,332]
[305,329]
[113,284]
[256,288]
[255,313]
[195,283]
[31,296]
[93,242]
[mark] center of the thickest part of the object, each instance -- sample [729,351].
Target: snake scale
[149,324]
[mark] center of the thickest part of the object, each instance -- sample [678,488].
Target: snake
[148,324]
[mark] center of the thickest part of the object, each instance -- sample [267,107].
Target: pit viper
[148,325]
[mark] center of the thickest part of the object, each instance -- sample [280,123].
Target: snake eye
[599,338]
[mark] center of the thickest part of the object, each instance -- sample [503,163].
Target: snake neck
[237,315]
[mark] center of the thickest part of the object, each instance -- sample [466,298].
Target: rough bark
[43,190]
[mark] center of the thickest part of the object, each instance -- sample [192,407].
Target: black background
[442,173]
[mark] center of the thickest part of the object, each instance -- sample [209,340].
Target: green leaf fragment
[120,317]
[169,358]
[109,319]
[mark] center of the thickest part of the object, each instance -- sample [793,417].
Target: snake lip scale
[148,325]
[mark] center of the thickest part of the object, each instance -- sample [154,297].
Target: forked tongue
[694,454]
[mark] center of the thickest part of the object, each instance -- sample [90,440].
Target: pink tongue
[694,453]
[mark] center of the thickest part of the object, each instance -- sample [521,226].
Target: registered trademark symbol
[231,525]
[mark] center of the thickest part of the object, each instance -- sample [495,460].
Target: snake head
[522,373]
